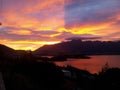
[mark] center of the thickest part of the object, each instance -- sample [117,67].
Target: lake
[94,64]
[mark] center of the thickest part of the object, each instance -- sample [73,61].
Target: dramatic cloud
[29,24]
[89,16]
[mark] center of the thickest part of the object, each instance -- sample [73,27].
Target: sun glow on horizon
[29,45]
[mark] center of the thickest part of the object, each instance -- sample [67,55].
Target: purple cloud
[80,12]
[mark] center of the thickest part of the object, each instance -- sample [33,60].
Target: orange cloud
[87,29]
[20,32]
[98,28]
[52,12]
[48,22]
[51,24]
[54,35]
[45,4]
[15,19]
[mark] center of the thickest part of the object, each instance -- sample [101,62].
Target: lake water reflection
[94,64]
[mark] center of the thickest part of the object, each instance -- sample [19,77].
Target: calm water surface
[94,64]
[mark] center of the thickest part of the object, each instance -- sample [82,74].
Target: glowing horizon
[29,45]
[34,23]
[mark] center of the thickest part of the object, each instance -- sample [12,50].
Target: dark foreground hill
[27,75]
[80,47]
[9,55]
[48,76]
[6,52]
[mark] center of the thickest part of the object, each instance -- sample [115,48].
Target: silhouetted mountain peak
[80,47]
[4,48]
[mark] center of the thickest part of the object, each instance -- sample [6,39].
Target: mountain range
[74,47]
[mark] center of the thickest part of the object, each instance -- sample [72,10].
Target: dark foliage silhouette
[33,76]
[22,71]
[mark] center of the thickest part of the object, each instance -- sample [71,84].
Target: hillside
[80,47]
[6,52]
[9,55]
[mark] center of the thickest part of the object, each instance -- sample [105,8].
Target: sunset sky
[29,24]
